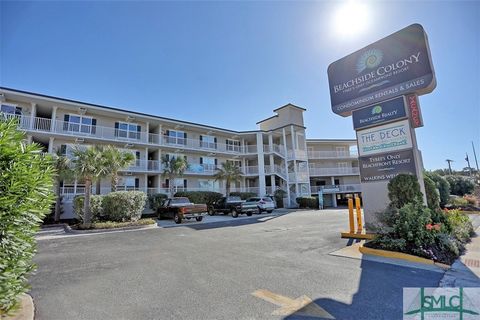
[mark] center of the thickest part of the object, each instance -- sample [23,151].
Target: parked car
[233,205]
[180,208]
[263,204]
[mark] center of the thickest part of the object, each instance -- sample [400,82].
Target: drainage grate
[475,263]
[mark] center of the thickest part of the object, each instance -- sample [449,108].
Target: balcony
[296,154]
[342,188]
[332,155]
[318,171]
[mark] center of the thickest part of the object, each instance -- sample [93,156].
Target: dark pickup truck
[180,208]
[233,205]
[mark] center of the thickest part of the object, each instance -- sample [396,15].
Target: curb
[69,229]
[401,256]
[26,311]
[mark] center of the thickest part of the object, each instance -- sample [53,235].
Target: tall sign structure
[379,86]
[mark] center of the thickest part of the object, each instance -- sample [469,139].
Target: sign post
[378,85]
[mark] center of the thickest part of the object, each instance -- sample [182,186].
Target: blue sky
[229,64]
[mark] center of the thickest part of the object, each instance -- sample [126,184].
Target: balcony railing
[332,155]
[297,154]
[342,188]
[318,171]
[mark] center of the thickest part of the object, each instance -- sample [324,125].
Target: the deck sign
[379,113]
[397,65]
[385,138]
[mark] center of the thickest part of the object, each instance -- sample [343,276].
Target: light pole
[449,165]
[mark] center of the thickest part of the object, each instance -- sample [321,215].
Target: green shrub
[124,205]
[279,194]
[200,197]
[460,225]
[113,224]
[26,196]
[433,195]
[155,200]
[404,189]
[442,185]
[243,195]
[96,207]
[460,185]
[457,201]
[307,202]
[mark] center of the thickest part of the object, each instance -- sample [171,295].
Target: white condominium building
[275,156]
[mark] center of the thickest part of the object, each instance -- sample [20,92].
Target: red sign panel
[416,120]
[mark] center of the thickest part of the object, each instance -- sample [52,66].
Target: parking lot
[244,268]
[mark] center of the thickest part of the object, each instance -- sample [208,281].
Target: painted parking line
[303,305]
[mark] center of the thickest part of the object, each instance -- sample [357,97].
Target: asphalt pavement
[245,269]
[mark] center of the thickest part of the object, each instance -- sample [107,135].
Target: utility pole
[475,156]
[468,163]
[449,166]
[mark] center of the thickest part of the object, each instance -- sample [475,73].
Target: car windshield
[253,199]
[233,199]
[267,199]
[180,201]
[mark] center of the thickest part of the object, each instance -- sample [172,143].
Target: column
[334,195]
[147,130]
[294,147]
[54,119]
[33,114]
[145,184]
[261,165]
[284,141]
[50,145]
[146,160]
[29,139]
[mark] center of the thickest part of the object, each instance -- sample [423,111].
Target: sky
[229,64]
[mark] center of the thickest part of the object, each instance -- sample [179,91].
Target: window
[209,184]
[10,109]
[237,163]
[233,145]
[209,142]
[208,163]
[176,137]
[129,183]
[127,130]
[341,151]
[342,167]
[80,124]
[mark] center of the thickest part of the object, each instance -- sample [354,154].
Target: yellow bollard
[350,215]
[359,215]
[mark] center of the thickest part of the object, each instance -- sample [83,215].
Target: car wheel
[234,213]
[259,211]
[249,214]
[211,212]
[177,218]
[199,218]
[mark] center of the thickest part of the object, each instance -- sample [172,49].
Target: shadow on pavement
[379,295]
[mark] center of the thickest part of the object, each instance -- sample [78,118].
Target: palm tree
[173,167]
[62,172]
[116,160]
[230,173]
[89,165]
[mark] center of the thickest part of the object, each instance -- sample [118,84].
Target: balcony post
[33,114]
[284,141]
[54,118]
[50,145]
[334,195]
[147,129]
[261,165]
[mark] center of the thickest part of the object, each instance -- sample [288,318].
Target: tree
[173,167]
[26,196]
[63,171]
[432,193]
[404,189]
[230,173]
[88,165]
[460,185]
[115,161]
[442,185]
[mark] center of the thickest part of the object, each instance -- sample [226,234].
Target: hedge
[155,200]
[243,195]
[26,196]
[307,202]
[124,205]
[96,207]
[204,197]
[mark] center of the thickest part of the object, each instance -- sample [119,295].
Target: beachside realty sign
[379,113]
[386,166]
[385,138]
[396,65]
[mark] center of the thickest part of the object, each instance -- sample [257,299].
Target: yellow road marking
[302,305]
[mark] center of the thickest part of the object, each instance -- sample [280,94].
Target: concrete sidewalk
[465,272]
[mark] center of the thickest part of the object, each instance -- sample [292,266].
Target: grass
[114,224]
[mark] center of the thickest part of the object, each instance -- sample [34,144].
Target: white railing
[197,144]
[296,154]
[331,154]
[342,188]
[250,170]
[319,171]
